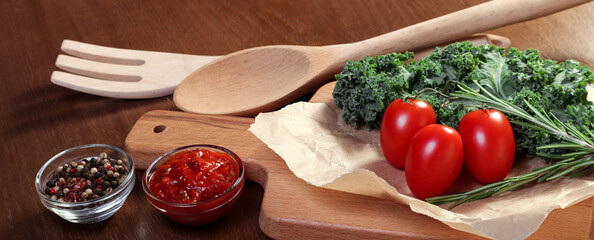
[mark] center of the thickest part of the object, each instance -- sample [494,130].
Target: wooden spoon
[261,79]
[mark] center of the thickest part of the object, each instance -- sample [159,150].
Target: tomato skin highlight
[400,123]
[489,145]
[434,160]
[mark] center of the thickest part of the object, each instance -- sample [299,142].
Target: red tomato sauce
[193,176]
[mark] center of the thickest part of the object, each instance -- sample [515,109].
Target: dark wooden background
[39,119]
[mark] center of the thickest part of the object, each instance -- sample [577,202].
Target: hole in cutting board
[159,128]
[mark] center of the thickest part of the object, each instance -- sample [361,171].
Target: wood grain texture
[39,119]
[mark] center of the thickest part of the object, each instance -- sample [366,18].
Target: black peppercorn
[114,184]
[94,162]
[51,183]
[105,184]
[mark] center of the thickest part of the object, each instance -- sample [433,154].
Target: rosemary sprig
[578,158]
[538,120]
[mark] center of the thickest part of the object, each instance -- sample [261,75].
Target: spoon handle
[456,25]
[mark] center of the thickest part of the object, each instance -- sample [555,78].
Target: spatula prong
[106,88]
[100,70]
[101,53]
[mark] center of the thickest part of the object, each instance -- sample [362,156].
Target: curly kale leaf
[369,85]
[366,87]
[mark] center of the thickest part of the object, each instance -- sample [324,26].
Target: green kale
[369,85]
[365,88]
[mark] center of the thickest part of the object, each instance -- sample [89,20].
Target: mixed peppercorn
[86,179]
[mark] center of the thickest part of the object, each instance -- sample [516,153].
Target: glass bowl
[199,212]
[86,201]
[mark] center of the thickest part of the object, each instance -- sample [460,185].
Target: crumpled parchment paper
[324,151]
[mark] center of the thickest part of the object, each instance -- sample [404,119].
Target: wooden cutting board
[293,209]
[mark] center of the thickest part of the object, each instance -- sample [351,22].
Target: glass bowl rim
[235,185]
[129,178]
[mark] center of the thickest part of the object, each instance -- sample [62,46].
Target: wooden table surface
[39,119]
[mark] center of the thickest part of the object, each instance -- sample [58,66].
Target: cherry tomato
[434,160]
[400,123]
[489,145]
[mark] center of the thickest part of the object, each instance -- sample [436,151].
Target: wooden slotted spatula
[136,74]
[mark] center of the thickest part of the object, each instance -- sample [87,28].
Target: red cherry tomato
[489,145]
[400,123]
[434,160]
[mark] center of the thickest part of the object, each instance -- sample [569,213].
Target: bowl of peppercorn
[194,185]
[86,184]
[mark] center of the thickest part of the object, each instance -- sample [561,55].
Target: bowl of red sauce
[195,184]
